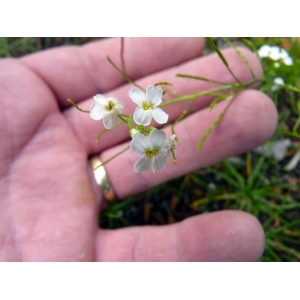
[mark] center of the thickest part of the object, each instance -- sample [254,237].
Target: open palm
[49,202]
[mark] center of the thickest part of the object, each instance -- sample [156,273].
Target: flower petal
[264,51]
[159,115]
[160,161]
[157,139]
[101,99]
[288,61]
[283,53]
[142,117]
[110,120]
[139,144]
[278,80]
[97,111]
[275,53]
[142,165]
[154,95]
[119,104]
[137,96]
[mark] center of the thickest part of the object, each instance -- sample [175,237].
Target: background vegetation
[264,182]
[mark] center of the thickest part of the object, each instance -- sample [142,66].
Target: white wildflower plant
[275,53]
[150,144]
[106,109]
[153,150]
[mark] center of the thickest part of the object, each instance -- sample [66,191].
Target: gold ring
[101,178]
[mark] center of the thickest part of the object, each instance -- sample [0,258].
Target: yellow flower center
[147,106]
[110,106]
[150,153]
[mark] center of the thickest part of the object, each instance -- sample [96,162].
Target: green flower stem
[163,83]
[114,156]
[76,106]
[242,57]
[211,91]
[200,78]
[105,130]
[214,124]
[214,47]
[124,74]
[122,118]
[122,55]
[185,111]
[128,121]
[219,99]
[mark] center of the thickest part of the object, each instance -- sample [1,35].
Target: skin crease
[49,202]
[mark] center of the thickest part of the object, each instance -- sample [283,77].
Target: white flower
[278,81]
[264,51]
[147,105]
[106,108]
[153,151]
[288,61]
[275,53]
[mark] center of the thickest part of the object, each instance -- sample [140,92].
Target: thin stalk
[243,58]
[209,92]
[76,106]
[114,156]
[184,112]
[105,130]
[214,124]
[122,56]
[214,47]
[123,74]
[201,78]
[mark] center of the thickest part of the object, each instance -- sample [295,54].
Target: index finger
[80,72]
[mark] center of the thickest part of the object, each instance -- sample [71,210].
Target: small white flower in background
[288,61]
[277,149]
[147,105]
[264,51]
[275,53]
[106,108]
[276,64]
[153,151]
[278,81]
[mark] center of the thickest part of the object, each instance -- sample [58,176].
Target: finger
[81,72]
[249,121]
[218,236]
[209,66]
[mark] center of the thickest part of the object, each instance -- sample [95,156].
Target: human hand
[49,201]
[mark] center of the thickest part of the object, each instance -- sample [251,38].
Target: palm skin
[49,205]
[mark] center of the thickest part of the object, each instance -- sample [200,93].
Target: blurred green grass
[253,182]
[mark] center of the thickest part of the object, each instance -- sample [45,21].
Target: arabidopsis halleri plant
[153,151]
[275,53]
[106,108]
[147,105]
